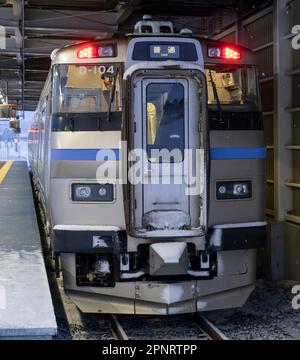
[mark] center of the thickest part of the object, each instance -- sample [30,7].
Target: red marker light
[231,54]
[98,51]
[88,52]
[33,131]
[226,52]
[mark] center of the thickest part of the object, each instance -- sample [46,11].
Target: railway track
[203,329]
[116,328]
[213,333]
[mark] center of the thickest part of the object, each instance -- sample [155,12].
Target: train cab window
[233,98]
[165,119]
[79,90]
[85,89]
[235,86]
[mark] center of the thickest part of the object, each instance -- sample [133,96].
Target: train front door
[166,112]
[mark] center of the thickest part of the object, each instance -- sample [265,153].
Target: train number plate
[97,69]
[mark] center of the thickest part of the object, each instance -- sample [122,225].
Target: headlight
[93,192]
[240,189]
[83,192]
[233,190]
[102,191]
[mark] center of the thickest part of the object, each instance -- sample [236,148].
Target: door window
[165,119]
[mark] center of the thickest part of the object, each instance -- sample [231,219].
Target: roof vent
[185,31]
[147,17]
[149,26]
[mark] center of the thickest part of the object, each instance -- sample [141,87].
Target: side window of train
[42,129]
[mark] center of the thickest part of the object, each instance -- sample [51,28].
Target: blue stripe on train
[85,154]
[237,153]
[114,154]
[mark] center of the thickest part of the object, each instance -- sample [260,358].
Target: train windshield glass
[86,89]
[236,88]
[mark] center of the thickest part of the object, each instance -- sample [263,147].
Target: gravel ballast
[267,315]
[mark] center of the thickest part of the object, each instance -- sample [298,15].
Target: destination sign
[164,51]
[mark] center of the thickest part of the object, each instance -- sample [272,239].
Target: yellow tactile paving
[4,170]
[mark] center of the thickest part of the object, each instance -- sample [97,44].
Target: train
[147,156]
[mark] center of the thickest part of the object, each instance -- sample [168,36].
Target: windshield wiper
[112,96]
[216,96]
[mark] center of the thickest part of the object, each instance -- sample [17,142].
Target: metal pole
[283,162]
[238,22]
[23,56]
[6,92]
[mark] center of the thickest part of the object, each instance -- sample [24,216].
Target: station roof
[33,28]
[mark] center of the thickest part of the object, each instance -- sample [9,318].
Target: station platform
[26,309]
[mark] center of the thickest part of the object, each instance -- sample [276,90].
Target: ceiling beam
[73,4]
[90,21]
[125,10]
[2,68]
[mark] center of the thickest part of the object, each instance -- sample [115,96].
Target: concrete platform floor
[26,309]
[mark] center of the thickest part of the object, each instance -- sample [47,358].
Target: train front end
[171,214]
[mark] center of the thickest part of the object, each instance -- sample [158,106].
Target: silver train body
[152,248]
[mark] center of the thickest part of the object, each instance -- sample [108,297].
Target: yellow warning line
[4,170]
